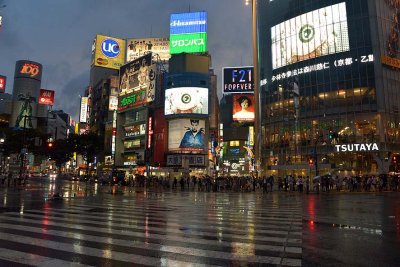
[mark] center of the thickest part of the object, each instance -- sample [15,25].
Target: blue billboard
[183,23]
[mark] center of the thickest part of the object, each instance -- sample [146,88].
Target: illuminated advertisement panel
[136,130]
[83,115]
[186,100]
[136,75]
[243,107]
[186,135]
[136,48]
[238,80]
[108,52]
[317,33]
[188,43]
[46,97]
[28,69]
[3,80]
[188,33]
[132,100]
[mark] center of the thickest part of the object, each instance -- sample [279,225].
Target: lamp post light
[257,108]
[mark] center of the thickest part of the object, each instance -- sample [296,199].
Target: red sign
[2,84]
[150,133]
[46,97]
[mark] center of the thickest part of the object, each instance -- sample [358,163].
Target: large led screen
[243,107]
[316,33]
[187,135]
[186,100]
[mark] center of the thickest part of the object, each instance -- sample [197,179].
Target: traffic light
[394,160]
[50,143]
[311,162]
[331,135]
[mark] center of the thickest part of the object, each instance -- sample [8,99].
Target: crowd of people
[366,183]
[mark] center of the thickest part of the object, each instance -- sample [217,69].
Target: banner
[84,108]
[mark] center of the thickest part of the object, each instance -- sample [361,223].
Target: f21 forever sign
[238,79]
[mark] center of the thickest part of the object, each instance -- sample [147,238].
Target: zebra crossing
[192,229]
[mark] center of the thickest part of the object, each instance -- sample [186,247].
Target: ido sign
[238,80]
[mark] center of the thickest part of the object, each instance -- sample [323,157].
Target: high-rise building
[330,99]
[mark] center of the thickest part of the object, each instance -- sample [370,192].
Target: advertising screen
[186,100]
[46,97]
[243,107]
[3,80]
[108,52]
[238,80]
[186,135]
[188,33]
[317,33]
[136,48]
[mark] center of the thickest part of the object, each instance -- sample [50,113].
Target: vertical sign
[150,133]
[83,115]
[2,83]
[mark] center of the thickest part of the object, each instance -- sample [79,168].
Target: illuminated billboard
[84,109]
[317,33]
[186,100]
[136,48]
[46,97]
[187,135]
[3,80]
[28,69]
[108,52]
[132,100]
[243,107]
[135,75]
[238,80]
[188,33]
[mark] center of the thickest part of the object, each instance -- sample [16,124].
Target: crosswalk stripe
[148,246]
[29,258]
[120,232]
[173,224]
[167,235]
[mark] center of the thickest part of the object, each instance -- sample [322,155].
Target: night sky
[59,34]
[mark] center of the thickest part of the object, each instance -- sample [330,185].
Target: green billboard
[188,43]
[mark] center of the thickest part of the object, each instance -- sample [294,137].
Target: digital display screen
[186,100]
[317,33]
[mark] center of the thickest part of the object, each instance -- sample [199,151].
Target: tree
[89,145]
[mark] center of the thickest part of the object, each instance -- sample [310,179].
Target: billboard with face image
[243,107]
[187,135]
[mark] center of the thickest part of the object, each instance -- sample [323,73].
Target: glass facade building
[330,86]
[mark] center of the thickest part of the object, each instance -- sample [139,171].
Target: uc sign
[30,69]
[238,80]
[110,48]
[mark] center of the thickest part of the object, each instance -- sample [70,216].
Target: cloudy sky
[59,33]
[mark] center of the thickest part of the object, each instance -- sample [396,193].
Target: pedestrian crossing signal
[311,162]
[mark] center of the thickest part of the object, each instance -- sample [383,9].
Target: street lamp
[257,115]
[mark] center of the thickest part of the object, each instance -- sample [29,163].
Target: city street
[118,226]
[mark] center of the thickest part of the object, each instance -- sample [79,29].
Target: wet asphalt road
[338,229]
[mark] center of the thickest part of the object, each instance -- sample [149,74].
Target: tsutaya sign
[356,147]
